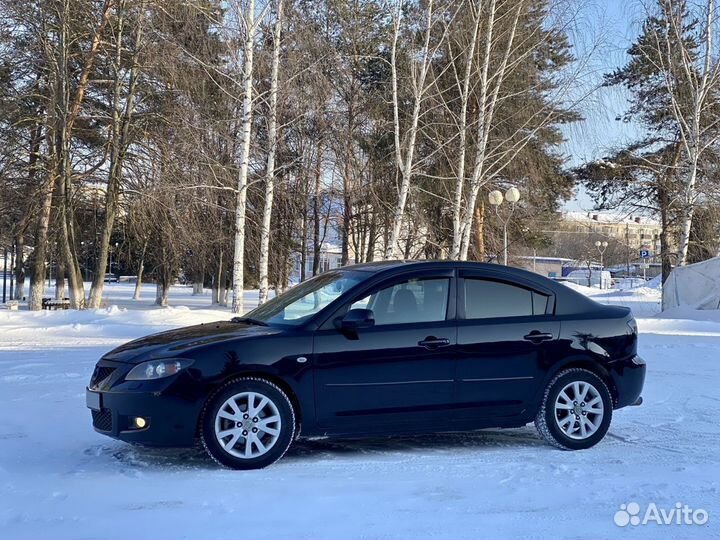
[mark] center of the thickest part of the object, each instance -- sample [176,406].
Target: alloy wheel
[579,410]
[247,425]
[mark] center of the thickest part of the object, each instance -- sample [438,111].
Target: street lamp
[601,247]
[512,195]
[110,271]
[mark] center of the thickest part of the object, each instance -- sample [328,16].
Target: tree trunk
[67,238]
[303,244]
[688,211]
[238,282]
[489,85]
[347,212]
[664,203]
[19,267]
[479,228]
[138,280]
[37,283]
[406,164]
[141,269]
[198,286]
[270,165]
[119,143]
[219,280]
[317,204]
[462,131]
[60,282]
[372,233]
[161,292]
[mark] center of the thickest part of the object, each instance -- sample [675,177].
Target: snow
[59,479]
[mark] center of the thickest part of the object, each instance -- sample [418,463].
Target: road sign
[644,253]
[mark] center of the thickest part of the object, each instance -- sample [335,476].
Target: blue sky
[603,30]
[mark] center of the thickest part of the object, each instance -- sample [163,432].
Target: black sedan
[378,349]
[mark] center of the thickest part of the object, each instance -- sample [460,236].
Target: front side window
[486,299]
[411,301]
[306,299]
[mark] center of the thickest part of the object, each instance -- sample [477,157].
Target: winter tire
[247,424]
[576,410]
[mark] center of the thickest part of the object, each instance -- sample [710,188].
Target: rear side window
[486,299]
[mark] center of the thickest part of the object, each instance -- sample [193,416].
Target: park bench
[51,303]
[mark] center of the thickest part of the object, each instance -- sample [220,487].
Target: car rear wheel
[247,424]
[576,410]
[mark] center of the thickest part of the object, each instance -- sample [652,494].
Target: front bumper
[169,407]
[628,376]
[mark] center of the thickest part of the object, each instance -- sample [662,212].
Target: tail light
[633,326]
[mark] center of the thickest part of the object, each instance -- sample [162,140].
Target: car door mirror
[358,318]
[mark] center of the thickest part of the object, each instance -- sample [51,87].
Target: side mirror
[355,319]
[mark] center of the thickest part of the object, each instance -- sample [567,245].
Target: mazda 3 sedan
[378,349]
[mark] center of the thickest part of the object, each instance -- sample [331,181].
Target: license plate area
[93,400]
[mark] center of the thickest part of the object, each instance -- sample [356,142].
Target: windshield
[303,301]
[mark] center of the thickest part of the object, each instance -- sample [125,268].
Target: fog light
[139,422]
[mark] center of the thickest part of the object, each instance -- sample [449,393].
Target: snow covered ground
[59,479]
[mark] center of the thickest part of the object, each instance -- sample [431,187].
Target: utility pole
[627,247]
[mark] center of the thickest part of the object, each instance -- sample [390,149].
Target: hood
[181,340]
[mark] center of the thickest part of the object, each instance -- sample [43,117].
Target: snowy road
[59,479]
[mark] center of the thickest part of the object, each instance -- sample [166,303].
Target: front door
[506,337]
[397,374]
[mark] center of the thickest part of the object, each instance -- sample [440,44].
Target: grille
[102,420]
[100,374]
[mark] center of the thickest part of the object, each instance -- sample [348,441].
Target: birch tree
[250,21]
[272,149]
[490,84]
[516,102]
[464,88]
[692,80]
[405,145]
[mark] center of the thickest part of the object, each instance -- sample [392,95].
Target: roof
[381,266]
[614,218]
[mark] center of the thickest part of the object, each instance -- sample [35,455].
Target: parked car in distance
[378,349]
[110,278]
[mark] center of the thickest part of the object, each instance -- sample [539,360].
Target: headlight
[157,369]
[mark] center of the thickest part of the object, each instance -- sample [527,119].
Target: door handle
[431,342]
[538,337]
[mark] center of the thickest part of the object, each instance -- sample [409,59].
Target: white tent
[696,286]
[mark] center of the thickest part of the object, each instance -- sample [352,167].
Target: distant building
[637,232]
[634,231]
[330,257]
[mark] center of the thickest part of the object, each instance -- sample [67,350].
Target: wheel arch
[582,362]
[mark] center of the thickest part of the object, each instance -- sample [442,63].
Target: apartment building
[637,232]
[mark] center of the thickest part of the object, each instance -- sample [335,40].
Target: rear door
[506,336]
[398,374]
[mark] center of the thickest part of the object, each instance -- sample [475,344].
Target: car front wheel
[247,424]
[576,410]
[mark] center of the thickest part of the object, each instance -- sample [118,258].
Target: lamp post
[601,247]
[512,195]
[111,254]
